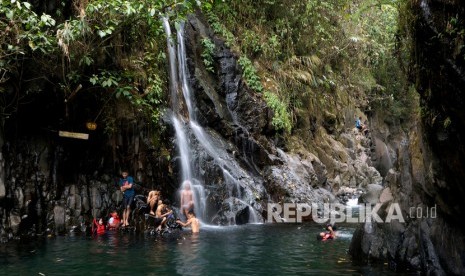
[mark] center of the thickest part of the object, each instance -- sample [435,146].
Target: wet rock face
[440,84]
[240,122]
[223,95]
[54,186]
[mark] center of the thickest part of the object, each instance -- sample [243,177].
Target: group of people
[99,227]
[160,209]
[163,212]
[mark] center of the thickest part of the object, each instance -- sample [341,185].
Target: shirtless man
[152,200]
[192,221]
[162,213]
[187,201]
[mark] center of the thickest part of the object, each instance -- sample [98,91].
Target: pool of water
[236,250]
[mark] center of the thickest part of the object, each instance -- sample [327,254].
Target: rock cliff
[427,169]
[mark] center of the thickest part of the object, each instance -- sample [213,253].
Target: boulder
[373,191]
[386,195]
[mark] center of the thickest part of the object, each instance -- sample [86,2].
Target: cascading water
[205,141]
[183,148]
[182,141]
[172,63]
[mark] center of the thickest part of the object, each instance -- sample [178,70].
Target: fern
[207,54]
[281,118]
[250,74]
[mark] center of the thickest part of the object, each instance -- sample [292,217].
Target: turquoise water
[265,249]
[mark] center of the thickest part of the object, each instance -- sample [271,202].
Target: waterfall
[182,141]
[183,147]
[172,63]
[179,79]
[186,92]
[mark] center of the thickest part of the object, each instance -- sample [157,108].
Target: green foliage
[207,53]
[389,57]
[22,30]
[105,79]
[281,118]
[287,37]
[307,50]
[37,29]
[250,74]
[251,44]
[271,49]
[379,30]
[311,50]
[122,42]
[220,29]
[113,49]
[23,34]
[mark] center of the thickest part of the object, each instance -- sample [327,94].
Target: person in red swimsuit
[328,235]
[99,227]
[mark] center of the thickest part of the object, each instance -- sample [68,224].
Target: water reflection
[189,260]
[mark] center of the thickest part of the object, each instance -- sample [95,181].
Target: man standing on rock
[126,186]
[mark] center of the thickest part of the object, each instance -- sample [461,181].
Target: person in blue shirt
[126,186]
[360,126]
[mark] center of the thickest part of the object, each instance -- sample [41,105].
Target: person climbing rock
[360,126]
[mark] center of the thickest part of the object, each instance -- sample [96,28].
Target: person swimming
[192,220]
[329,235]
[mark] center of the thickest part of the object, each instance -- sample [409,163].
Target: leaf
[47,20]
[32,45]
[10,14]
[93,79]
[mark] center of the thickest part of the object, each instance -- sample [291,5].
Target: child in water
[114,221]
[327,235]
[99,226]
[192,221]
